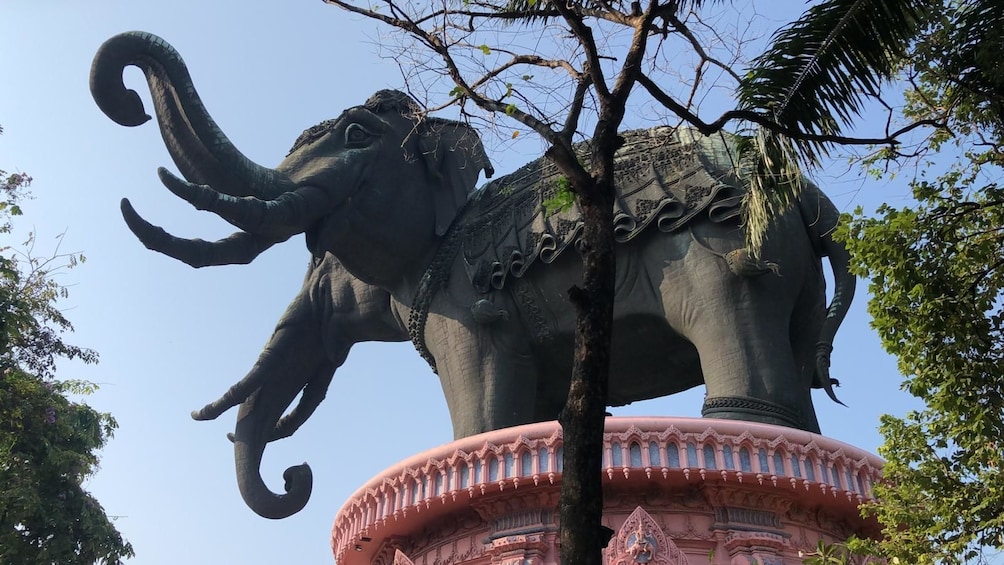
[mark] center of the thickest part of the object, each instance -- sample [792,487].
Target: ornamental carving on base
[401,558]
[490,509]
[527,549]
[820,519]
[656,498]
[453,506]
[641,541]
[387,554]
[747,497]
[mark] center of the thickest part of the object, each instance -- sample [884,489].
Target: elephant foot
[754,410]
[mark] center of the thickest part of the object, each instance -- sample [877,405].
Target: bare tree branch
[681,27]
[532,60]
[584,35]
[575,109]
[708,128]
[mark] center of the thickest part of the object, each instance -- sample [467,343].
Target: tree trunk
[582,535]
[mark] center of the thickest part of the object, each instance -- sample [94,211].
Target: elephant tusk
[290,213]
[239,248]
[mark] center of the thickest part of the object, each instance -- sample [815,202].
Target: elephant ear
[454,157]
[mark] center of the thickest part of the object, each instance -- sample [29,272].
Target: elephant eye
[357,136]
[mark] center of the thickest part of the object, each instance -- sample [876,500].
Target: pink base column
[678,491]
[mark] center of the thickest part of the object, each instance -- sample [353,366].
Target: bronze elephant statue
[404,247]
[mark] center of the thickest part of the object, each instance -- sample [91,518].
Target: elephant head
[371,166]
[377,187]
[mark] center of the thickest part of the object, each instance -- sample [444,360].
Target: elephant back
[664,179]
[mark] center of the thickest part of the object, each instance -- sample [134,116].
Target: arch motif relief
[641,541]
[401,559]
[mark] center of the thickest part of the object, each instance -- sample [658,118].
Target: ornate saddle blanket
[662,179]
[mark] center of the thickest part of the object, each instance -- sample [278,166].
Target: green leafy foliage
[937,292]
[562,200]
[938,302]
[48,442]
[841,554]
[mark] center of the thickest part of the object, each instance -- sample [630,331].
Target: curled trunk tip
[299,481]
[200,149]
[121,104]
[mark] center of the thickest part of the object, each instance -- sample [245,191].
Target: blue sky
[172,338]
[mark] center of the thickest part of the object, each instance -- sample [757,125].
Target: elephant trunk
[256,423]
[200,149]
[821,219]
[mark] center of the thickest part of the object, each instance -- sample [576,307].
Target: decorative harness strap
[430,283]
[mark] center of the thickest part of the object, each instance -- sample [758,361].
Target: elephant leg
[740,324]
[488,377]
[750,371]
[741,328]
[807,322]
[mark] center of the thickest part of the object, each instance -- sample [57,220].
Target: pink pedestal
[676,490]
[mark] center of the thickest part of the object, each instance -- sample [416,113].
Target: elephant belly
[649,358]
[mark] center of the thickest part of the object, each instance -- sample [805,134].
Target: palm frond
[531,10]
[826,62]
[976,61]
[818,72]
[770,166]
[816,78]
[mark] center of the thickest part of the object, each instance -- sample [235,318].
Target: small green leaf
[485,49]
[562,200]
[510,109]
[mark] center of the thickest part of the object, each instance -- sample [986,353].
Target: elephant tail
[821,218]
[250,437]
